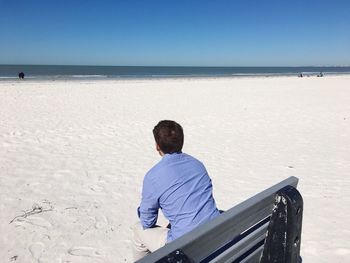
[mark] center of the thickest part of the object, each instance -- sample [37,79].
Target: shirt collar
[169,155]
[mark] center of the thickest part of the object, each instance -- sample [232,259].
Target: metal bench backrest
[237,235]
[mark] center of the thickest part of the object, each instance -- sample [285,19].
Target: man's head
[169,136]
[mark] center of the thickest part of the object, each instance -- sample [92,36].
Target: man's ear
[159,150]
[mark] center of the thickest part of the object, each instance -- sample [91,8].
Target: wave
[88,76]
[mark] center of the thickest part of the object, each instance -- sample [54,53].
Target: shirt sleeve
[148,210]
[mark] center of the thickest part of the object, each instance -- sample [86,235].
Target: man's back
[179,184]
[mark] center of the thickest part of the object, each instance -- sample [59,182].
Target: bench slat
[242,246]
[227,230]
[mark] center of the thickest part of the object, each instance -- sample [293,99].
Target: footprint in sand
[97,188]
[36,249]
[101,221]
[85,252]
[36,221]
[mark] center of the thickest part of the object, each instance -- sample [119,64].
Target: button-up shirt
[179,185]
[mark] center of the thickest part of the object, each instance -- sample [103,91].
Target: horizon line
[177,66]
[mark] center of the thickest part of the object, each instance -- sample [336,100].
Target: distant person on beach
[21,75]
[179,185]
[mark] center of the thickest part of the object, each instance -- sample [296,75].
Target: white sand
[81,148]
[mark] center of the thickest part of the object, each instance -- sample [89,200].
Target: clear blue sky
[175,32]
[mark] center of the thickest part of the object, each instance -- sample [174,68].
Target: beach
[74,152]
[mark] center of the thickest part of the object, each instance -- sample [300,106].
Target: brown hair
[169,136]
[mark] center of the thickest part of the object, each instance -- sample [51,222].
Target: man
[179,185]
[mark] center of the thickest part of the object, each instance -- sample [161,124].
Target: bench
[264,228]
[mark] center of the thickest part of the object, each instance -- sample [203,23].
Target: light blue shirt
[179,185]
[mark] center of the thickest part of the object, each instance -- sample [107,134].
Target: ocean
[132,72]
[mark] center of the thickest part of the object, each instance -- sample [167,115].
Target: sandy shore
[78,150]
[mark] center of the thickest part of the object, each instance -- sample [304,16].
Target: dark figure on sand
[21,75]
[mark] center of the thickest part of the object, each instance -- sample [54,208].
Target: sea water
[110,72]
